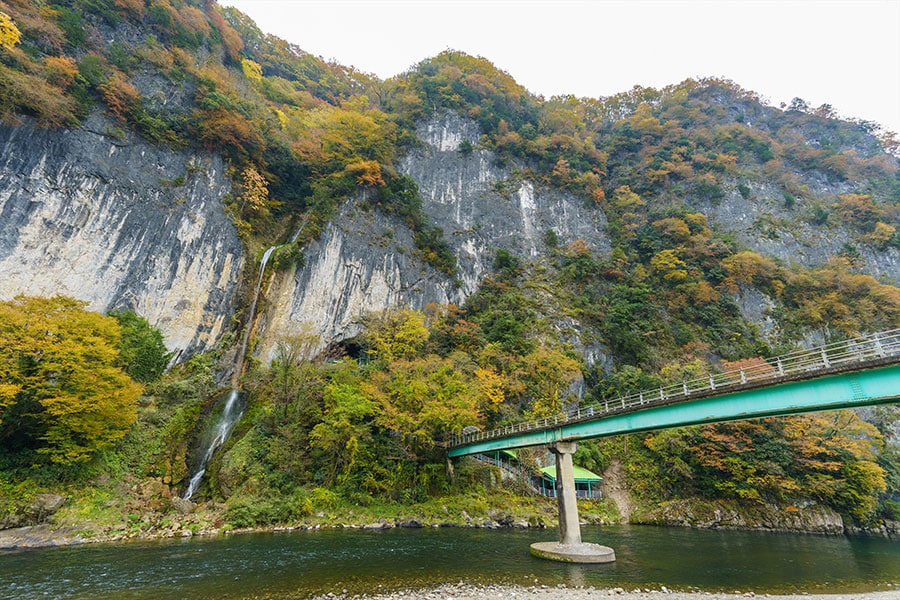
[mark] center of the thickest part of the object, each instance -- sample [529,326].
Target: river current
[299,564]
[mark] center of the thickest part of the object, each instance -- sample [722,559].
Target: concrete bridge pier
[570,548]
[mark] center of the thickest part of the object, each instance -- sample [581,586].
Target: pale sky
[844,53]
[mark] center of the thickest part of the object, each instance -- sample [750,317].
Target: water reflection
[300,564]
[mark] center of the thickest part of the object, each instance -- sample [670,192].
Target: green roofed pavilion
[587,484]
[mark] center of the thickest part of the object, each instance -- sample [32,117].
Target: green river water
[303,563]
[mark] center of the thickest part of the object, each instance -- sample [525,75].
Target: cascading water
[239,361]
[232,411]
[230,415]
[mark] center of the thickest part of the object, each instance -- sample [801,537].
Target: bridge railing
[585,494]
[885,344]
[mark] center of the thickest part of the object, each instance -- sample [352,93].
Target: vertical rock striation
[363,261]
[119,223]
[483,206]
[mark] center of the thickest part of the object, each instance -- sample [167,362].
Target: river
[299,564]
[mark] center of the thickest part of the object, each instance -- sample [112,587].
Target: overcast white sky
[844,53]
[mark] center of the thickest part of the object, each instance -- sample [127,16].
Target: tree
[747,268]
[122,98]
[255,190]
[424,399]
[142,352]
[545,377]
[9,33]
[490,385]
[344,430]
[667,264]
[798,105]
[60,70]
[396,334]
[62,394]
[252,70]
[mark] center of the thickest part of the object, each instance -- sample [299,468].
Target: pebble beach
[463,591]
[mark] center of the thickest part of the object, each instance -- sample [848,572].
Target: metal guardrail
[581,494]
[519,472]
[876,346]
[526,475]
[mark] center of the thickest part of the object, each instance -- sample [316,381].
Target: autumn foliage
[828,457]
[9,33]
[62,394]
[668,295]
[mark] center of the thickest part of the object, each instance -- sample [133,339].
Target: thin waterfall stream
[232,411]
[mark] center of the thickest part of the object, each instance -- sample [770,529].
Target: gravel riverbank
[464,591]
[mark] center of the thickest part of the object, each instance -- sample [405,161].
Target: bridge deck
[858,372]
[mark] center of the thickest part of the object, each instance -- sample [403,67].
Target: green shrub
[324,499]
[142,352]
[71,22]
[92,69]
[890,510]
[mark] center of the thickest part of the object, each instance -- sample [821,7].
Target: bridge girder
[878,385]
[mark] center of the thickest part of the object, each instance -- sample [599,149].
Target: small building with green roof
[587,484]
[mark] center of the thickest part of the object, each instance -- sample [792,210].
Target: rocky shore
[463,591]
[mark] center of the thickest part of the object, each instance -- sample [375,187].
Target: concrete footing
[573,553]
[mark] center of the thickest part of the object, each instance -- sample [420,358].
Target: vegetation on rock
[303,135]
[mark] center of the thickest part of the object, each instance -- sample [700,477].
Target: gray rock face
[763,223]
[362,262]
[118,223]
[483,207]
[755,307]
[724,514]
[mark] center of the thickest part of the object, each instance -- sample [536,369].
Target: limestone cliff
[119,223]
[763,222]
[483,206]
[363,261]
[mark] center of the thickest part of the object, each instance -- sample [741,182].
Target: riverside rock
[37,511]
[722,514]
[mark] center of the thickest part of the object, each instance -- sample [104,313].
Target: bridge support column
[570,548]
[569,526]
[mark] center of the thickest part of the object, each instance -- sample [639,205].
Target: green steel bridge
[857,372]
[863,371]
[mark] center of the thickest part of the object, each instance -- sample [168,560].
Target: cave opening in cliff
[350,348]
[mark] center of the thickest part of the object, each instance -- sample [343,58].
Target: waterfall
[239,361]
[230,415]
[232,411]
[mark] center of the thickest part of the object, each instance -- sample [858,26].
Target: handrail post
[743,376]
[780,368]
[712,382]
[684,384]
[825,358]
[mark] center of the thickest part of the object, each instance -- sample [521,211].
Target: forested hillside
[733,230]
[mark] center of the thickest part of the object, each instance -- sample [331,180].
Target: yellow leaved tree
[9,33]
[62,394]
